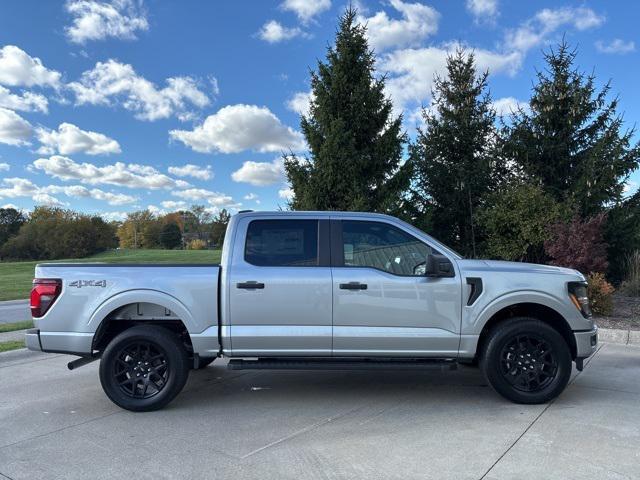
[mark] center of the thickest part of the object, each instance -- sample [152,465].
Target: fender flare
[519,297]
[141,296]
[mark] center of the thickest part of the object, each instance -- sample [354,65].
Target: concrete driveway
[326,425]
[14,311]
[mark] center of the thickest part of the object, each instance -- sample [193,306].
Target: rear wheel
[526,361]
[144,368]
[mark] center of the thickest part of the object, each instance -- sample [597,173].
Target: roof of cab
[306,213]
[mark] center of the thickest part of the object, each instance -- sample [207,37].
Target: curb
[616,335]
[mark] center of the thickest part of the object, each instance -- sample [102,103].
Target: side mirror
[438,266]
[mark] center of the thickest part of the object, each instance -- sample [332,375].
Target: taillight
[43,294]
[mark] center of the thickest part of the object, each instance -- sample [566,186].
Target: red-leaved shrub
[579,244]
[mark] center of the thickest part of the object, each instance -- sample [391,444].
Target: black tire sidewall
[176,357]
[503,333]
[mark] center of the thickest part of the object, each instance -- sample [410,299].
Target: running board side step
[341,364]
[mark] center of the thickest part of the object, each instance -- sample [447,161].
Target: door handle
[353,286]
[250,285]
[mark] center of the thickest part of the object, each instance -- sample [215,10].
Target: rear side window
[282,243]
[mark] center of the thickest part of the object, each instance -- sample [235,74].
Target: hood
[516,267]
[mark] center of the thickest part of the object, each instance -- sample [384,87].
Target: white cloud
[69,139]
[113,216]
[286,193]
[214,199]
[300,103]
[4,167]
[14,130]
[115,83]
[411,71]
[260,174]
[484,11]
[27,102]
[616,46]
[94,20]
[48,200]
[11,205]
[274,32]
[235,128]
[78,191]
[22,187]
[125,175]
[250,196]
[630,187]
[507,105]
[17,68]
[418,22]
[17,187]
[173,205]
[535,30]
[190,170]
[306,9]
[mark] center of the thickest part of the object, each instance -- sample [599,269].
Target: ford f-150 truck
[316,290]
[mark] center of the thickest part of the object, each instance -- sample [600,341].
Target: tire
[204,362]
[144,368]
[526,361]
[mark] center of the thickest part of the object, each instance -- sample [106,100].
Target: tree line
[544,184]
[53,233]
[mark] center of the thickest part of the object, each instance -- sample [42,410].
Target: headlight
[578,296]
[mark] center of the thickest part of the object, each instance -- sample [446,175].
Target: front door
[280,288]
[383,305]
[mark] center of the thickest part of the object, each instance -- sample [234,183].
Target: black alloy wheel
[526,360]
[528,363]
[144,368]
[141,369]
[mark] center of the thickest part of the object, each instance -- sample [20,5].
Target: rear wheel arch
[135,307]
[537,311]
[135,314]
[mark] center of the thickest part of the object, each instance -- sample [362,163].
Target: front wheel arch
[532,310]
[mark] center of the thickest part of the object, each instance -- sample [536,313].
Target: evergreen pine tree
[454,154]
[571,142]
[355,144]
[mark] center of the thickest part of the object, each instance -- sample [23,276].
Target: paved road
[320,425]
[14,311]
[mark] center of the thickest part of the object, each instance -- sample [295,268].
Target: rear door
[383,304]
[280,287]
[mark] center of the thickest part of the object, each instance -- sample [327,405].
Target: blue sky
[110,107]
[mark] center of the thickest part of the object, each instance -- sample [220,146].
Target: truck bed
[93,292]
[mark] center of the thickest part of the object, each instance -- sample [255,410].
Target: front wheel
[144,368]
[526,361]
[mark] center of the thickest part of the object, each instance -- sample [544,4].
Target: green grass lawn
[16,277]
[11,345]
[12,327]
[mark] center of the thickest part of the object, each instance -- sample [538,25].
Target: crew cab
[316,290]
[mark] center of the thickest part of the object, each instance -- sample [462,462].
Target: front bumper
[586,342]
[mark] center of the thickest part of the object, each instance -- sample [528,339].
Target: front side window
[384,247]
[282,243]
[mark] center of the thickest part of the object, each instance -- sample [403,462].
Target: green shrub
[516,222]
[600,294]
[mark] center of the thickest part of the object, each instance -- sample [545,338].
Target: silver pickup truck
[316,290]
